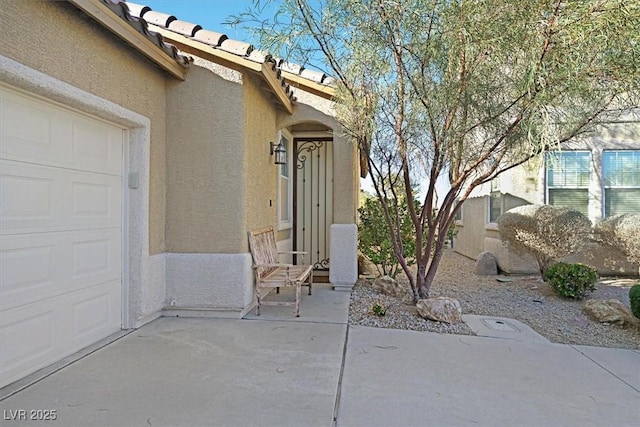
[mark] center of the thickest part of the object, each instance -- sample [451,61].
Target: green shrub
[378,308]
[571,280]
[634,299]
[375,238]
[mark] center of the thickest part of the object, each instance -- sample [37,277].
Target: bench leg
[258,301]
[298,285]
[310,281]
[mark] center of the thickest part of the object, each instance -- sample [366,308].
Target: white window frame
[547,187]
[606,187]
[495,189]
[285,224]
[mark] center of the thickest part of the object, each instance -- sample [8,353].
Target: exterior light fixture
[280,152]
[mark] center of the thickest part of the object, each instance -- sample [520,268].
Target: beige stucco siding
[472,228]
[205,212]
[90,58]
[259,171]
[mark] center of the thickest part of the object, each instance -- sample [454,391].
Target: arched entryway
[313,193]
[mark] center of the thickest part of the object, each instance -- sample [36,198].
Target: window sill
[284,226]
[491,226]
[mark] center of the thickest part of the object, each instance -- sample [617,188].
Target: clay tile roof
[138,10]
[222,42]
[185,28]
[313,75]
[259,56]
[128,11]
[158,18]
[209,37]
[236,47]
[291,68]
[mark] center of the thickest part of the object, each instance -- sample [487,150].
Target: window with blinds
[568,176]
[621,180]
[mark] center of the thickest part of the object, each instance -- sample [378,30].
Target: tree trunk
[424,277]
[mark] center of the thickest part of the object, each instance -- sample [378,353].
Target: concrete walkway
[277,370]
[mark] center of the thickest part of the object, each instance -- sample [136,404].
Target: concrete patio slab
[625,364]
[278,370]
[323,305]
[197,372]
[407,378]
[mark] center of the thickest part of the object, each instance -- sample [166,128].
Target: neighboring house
[131,172]
[597,175]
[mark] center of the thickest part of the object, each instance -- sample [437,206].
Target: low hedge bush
[571,280]
[634,300]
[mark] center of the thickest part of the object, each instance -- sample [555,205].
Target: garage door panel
[95,201]
[28,340]
[36,132]
[38,198]
[60,232]
[97,147]
[46,265]
[96,257]
[28,128]
[33,268]
[26,194]
[95,312]
[35,335]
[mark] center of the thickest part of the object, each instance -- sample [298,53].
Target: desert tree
[459,89]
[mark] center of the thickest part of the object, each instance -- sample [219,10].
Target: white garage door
[60,231]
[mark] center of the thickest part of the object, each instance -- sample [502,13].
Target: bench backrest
[262,244]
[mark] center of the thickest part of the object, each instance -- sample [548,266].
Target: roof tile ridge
[121,8]
[239,48]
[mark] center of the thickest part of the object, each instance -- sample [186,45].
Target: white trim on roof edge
[114,23]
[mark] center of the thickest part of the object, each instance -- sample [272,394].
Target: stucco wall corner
[344,256]
[214,283]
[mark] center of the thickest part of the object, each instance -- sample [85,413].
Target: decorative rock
[366,267]
[389,286]
[609,311]
[440,309]
[486,264]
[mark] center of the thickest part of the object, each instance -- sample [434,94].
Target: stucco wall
[205,212]
[59,40]
[259,172]
[471,230]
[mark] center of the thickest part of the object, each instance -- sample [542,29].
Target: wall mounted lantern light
[280,152]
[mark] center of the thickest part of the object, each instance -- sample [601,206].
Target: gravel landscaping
[525,298]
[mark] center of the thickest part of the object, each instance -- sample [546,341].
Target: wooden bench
[270,273]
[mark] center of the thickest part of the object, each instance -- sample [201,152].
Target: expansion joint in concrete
[336,406]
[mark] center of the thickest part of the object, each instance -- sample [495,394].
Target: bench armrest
[273,265]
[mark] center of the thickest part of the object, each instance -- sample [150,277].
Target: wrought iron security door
[313,202]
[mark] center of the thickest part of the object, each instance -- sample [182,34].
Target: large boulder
[486,264]
[389,286]
[440,309]
[609,311]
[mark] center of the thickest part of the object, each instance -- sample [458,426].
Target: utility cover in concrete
[499,325]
